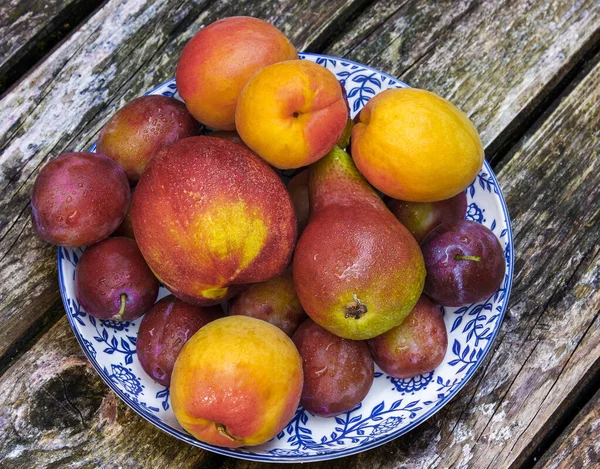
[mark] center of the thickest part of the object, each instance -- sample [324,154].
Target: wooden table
[526,72]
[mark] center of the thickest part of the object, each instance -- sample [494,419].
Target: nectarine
[218,62]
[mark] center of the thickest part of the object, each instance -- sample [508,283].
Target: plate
[392,407]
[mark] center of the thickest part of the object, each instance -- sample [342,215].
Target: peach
[218,62]
[415,146]
[236,382]
[291,113]
[210,216]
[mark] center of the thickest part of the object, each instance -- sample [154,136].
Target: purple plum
[421,217]
[79,199]
[164,331]
[416,346]
[338,373]
[113,281]
[464,261]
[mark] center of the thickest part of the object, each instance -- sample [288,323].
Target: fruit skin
[354,255]
[236,382]
[228,135]
[218,61]
[422,217]
[126,228]
[298,189]
[274,301]
[414,145]
[210,216]
[416,346]
[291,113]
[110,269]
[79,199]
[163,332]
[338,373]
[137,131]
[459,282]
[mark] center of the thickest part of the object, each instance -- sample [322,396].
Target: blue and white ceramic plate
[392,407]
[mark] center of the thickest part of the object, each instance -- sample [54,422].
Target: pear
[357,270]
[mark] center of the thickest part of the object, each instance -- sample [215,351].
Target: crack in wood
[66,392]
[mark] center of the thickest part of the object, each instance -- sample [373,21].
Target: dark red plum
[137,131]
[274,301]
[113,281]
[164,331]
[464,262]
[79,199]
[422,217]
[126,227]
[338,373]
[298,189]
[416,346]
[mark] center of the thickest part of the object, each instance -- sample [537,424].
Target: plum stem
[222,429]
[356,309]
[119,315]
[467,258]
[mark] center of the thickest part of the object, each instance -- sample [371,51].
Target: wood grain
[549,340]
[497,61]
[579,444]
[29,29]
[57,412]
[125,49]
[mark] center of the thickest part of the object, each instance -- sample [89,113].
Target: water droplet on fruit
[319,373]
[72,217]
[80,184]
[59,219]
[69,199]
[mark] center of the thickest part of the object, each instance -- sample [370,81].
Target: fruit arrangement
[321,280]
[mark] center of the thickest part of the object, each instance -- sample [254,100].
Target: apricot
[291,113]
[236,382]
[218,61]
[414,145]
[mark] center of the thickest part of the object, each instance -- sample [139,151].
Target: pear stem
[119,315]
[222,429]
[356,309]
[467,258]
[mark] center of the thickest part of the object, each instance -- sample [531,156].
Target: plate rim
[386,438]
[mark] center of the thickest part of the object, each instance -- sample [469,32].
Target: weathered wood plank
[426,444]
[124,50]
[497,61]
[579,444]
[30,28]
[57,412]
